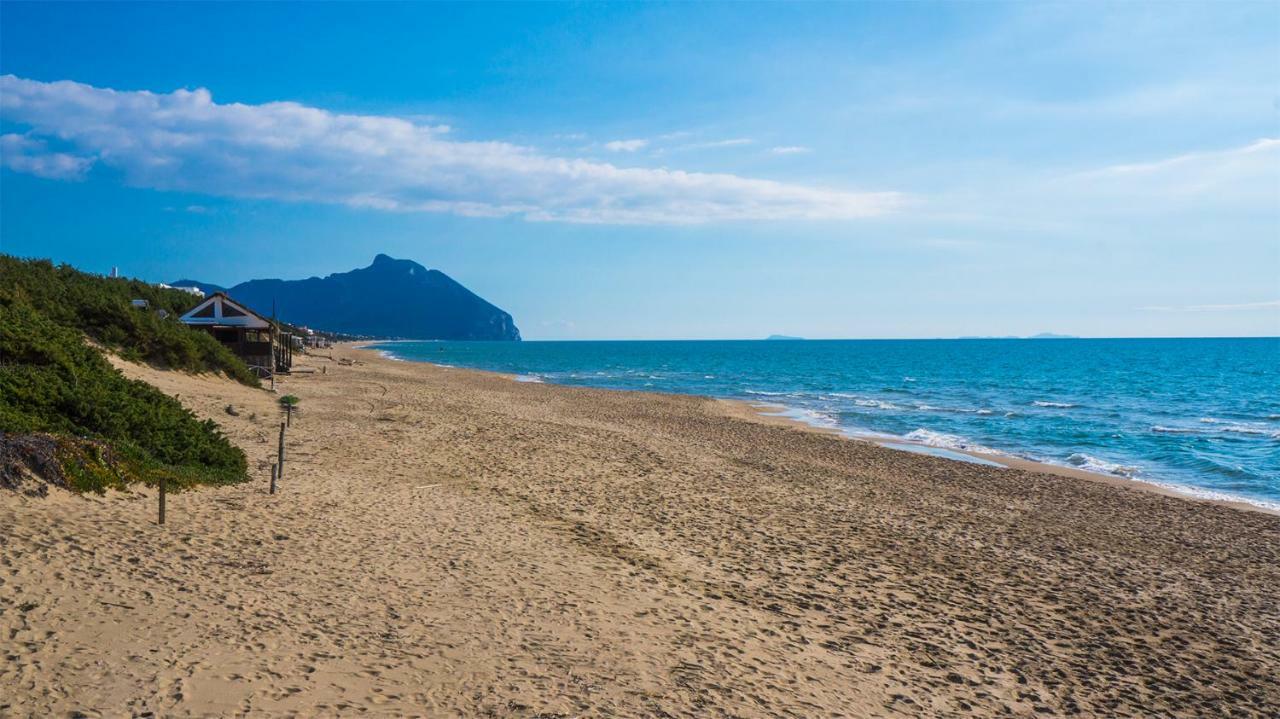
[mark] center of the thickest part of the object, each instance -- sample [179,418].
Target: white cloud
[625,145]
[1214,308]
[1250,168]
[32,156]
[789,150]
[184,141]
[714,144]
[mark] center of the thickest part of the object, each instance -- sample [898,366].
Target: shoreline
[1011,462]
[764,412]
[449,542]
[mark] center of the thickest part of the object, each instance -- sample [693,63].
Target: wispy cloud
[1253,167]
[789,150]
[626,145]
[1253,149]
[716,144]
[1214,308]
[184,141]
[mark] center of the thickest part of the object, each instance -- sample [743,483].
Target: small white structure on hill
[189,290]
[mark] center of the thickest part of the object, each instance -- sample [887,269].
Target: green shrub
[100,307]
[109,429]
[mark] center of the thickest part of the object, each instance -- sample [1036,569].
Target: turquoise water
[1199,414]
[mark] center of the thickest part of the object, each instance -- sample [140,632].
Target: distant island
[1041,336]
[782,337]
[389,298]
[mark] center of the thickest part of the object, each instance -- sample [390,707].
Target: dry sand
[448,542]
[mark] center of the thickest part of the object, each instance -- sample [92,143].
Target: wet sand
[448,542]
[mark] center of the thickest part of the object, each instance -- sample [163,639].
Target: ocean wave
[1175,430]
[948,441]
[1060,405]
[1244,429]
[1253,428]
[1089,463]
[878,404]
[1201,493]
[765,393]
[810,417]
[958,410]
[529,378]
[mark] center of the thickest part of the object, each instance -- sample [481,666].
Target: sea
[1201,416]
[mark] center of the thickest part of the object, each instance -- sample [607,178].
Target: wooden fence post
[162,488]
[273,479]
[280,452]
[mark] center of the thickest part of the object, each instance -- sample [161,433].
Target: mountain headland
[389,298]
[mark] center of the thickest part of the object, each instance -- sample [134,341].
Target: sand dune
[448,542]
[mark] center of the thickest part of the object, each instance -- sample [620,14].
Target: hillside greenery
[65,411]
[100,308]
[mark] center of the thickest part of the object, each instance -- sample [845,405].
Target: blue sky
[637,171]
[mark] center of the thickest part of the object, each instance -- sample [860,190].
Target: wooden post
[162,488]
[280,453]
[273,479]
[288,415]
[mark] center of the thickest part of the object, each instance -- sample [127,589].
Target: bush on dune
[100,307]
[69,416]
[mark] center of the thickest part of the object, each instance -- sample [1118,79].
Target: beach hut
[250,336]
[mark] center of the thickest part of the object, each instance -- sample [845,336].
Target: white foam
[959,410]
[529,378]
[940,452]
[810,417]
[948,441]
[878,404]
[1209,494]
[1060,405]
[1174,430]
[1254,428]
[1089,463]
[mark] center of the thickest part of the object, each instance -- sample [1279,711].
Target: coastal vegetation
[101,308]
[69,417]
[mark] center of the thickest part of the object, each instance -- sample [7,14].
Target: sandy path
[453,543]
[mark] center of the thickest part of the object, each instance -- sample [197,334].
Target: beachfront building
[253,338]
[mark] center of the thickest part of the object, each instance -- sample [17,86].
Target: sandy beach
[453,543]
